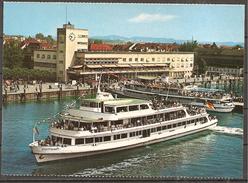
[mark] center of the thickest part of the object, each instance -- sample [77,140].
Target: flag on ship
[210,105]
[36,131]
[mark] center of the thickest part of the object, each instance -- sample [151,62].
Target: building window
[98,139]
[48,56]
[107,138]
[61,39]
[136,59]
[168,59]
[47,65]
[153,59]
[141,59]
[191,65]
[82,43]
[43,56]
[182,65]
[38,55]
[116,137]
[61,51]
[82,36]
[61,72]
[67,141]
[124,59]
[89,140]
[79,141]
[124,135]
[130,59]
[61,62]
[54,56]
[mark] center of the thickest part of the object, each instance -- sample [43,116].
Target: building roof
[41,44]
[100,47]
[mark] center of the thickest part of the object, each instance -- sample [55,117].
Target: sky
[214,23]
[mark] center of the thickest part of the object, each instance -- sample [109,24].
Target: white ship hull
[217,107]
[52,153]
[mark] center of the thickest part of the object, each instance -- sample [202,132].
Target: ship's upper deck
[118,101]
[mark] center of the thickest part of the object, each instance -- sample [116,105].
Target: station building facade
[72,60]
[131,64]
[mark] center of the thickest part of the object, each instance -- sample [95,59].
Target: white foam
[227,130]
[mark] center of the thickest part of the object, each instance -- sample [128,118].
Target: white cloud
[145,17]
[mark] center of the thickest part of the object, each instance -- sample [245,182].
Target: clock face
[72,36]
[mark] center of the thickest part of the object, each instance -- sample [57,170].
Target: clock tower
[69,40]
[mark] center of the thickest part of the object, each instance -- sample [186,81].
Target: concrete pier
[45,91]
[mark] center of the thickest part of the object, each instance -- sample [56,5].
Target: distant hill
[135,39]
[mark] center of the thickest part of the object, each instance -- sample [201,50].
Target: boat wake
[227,130]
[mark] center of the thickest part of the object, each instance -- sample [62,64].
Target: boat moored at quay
[106,124]
[212,99]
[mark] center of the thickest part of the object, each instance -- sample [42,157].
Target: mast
[99,83]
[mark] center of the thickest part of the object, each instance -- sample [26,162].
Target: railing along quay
[45,91]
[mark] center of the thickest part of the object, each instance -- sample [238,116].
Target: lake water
[204,154]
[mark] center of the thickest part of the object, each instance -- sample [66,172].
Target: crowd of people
[161,103]
[201,94]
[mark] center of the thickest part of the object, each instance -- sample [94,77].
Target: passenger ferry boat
[211,99]
[106,124]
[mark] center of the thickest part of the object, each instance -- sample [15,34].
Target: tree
[28,74]
[97,41]
[39,36]
[188,46]
[214,45]
[13,54]
[238,46]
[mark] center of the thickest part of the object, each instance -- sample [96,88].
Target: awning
[123,65]
[108,65]
[77,66]
[162,64]
[94,66]
[148,65]
[137,65]
[147,77]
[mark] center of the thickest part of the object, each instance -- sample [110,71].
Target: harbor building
[45,60]
[225,70]
[69,40]
[72,60]
[131,64]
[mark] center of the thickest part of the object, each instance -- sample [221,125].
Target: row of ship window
[131,134]
[101,62]
[158,59]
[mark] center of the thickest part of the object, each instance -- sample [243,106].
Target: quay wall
[22,97]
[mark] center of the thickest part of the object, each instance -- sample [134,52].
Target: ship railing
[51,143]
[211,117]
[136,123]
[195,110]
